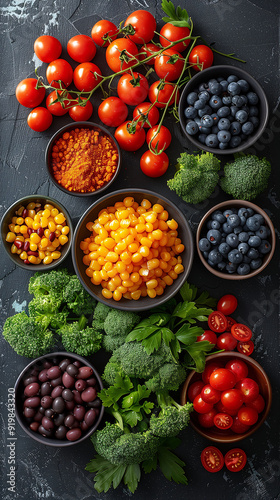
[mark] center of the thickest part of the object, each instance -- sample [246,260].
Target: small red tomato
[210,368]
[249,389]
[27,94]
[208,335]
[230,322]
[159,138]
[55,107]
[121,54]
[47,48]
[104,32]
[169,65]
[247,415]
[195,389]
[132,88]
[154,165]
[238,367]
[223,421]
[162,93]
[238,427]
[59,69]
[227,304]
[201,57]
[147,113]
[200,406]
[81,48]
[112,111]
[246,347]
[235,460]
[143,24]
[210,395]
[147,51]
[222,409]
[87,76]
[207,419]
[212,459]
[240,332]
[81,113]
[39,119]
[217,322]
[226,341]
[170,33]
[258,404]
[222,379]
[130,140]
[232,399]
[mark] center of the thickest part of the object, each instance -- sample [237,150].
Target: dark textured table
[251,29]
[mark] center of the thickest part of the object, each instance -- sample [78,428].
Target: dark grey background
[249,28]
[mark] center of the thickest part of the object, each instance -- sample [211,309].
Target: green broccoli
[78,338]
[117,325]
[246,177]
[196,177]
[170,376]
[45,309]
[172,419]
[50,282]
[27,336]
[112,368]
[77,298]
[101,311]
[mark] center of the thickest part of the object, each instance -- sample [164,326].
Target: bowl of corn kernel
[132,249]
[37,232]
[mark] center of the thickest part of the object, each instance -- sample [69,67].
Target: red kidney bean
[69,405]
[42,410]
[67,395]
[30,380]
[52,236]
[47,423]
[67,380]
[77,397]
[89,394]
[59,248]
[44,431]
[26,261]
[80,385]
[60,432]
[91,382]
[46,402]
[85,372]
[29,231]
[43,375]
[38,208]
[34,426]
[64,363]
[57,391]
[40,232]
[33,402]
[58,404]
[74,434]
[26,246]
[69,421]
[56,381]
[72,370]
[29,412]
[54,372]
[32,389]
[32,253]
[46,389]
[89,417]
[84,426]
[79,412]
[24,213]
[18,244]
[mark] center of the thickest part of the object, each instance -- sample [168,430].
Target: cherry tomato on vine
[47,48]
[212,459]
[226,341]
[223,421]
[222,379]
[56,108]
[217,322]
[144,25]
[130,141]
[27,94]
[39,119]
[208,335]
[59,69]
[112,111]
[149,115]
[238,367]
[170,33]
[202,55]
[154,165]
[247,415]
[232,399]
[81,48]
[86,76]
[246,347]
[159,139]
[238,427]
[195,389]
[104,32]
[160,93]
[81,113]
[227,304]
[235,460]
[169,65]
[121,54]
[200,406]
[207,419]
[241,332]
[132,89]
[147,51]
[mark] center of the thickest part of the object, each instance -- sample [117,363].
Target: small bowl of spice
[83,159]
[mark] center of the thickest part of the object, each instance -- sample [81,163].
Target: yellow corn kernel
[44,242]
[136,294]
[33,260]
[89,272]
[42,254]
[17,229]
[179,248]
[172,224]
[36,225]
[112,257]
[179,269]
[19,220]
[12,227]
[23,229]
[29,221]
[168,280]
[55,255]
[59,218]
[46,213]
[35,238]
[86,260]
[10,238]
[49,207]
[33,246]
[106,293]
[65,230]
[51,226]
[31,205]
[37,217]
[23,255]
[173,274]
[19,237]
[48,259]
[54,212]
[63,239]
[117,295]
[151,293]
[151,284]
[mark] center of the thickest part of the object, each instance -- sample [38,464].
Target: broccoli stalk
[79,338]
[172,419]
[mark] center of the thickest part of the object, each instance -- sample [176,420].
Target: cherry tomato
[247,415]
[86,76]
[81,113]
[195,389]
[258,404]
[121,54]
[149,114]
[59,69]
[154,165]
[127,140]
[249,389]
[207,419]
[217,322]
[112,111]
[202,55]
[56,108]
[144,25]
[238,427]
[160,93]
[133,89]
[47,48]
[222,379]
[227,304]
[241,332]
[159,139]
[81,48]
[208,335]
[210,395]
[230,322]
[232,399]
[169,65]
[28,95]
[246,347]
[238,367]
[212,459]
[235,460]
[226,341]
[39,119]
[222,409]
[200,406]
[104,32]
[147,51]
[170,33]
[223,421]
[209,368]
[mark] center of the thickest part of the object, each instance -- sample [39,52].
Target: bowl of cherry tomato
[231,398]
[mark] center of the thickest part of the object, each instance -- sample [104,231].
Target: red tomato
[39,119]
[147,51]
[227,304]
[208,335]
[47,48]
[127,140]
[230,322]
[81,48]
[59,69]
[209,368]
[223,421]
[169,65]
[232,399]
[222,409]
[238,427]
[160,93]
[249,389]
[159,139]
[104,32]
[56,108]
[207,419]
[202,55]
[238,367]
[143,24]
[226,342]
[200,406]
[212,459]
[195,389]
[86,76]
[258,404]
[241,332]
[210,395]
[217,322]
[235,460]
[121,54]
[28,95]
[81,113]
[222,379]
[133,89]
[247,415]
[246,347]
[170,33]
[154,165]
[112,111]
[149,114]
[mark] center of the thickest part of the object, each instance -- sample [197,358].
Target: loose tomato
[222,379]
[81,113]
[210,368]
[112,111]
[159,138]
[209,336]
[130,141]
[232,399]
[238,427]
[121,54]
[28,95]
[147,51]
[86,76]
[222,409]
[56,108]
[238,367]
[154,165]
[147,113]
[227,304]
[162,93]
[143,24]
[226,341]
[201,57]
[247,415]
[235,460]
[249,389]
[170,33]
[258,404]
[241,332]
[169,65]
[223,421]
[212,459]
[47,48]
[200,406]
[230,322]
[59,69]
[39,119]
[246,347]
[217,322]
[195,389]
[132,88]
[81,48]
[207,419]
[210,395]
[104,32]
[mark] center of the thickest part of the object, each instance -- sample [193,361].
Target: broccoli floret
[196,177]
[119,322]
[172,419]
[45,309]
[77,298]
[110,371]
[98,325]
[101,311]
[246,177]
[27,336]
[110,344]
[169,377]
[50,282]
[78,338]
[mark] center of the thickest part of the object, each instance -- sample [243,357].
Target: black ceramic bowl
[68,128]
[224,71]
[81,232]
[19,398]
[7,218]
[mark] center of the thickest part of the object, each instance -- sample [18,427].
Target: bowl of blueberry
[235,240]
[223,110]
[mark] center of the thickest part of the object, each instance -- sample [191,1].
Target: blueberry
[205,255]
[226,228]
[217,215]
[224,249]
[215,118]
[204,130]
[203,86]
[202,138]
[204,111]
[245,108]
[235,256]
[215,102]
[226,100]
[212,264]
[247,128]
[253,223]
[204,245]
[253,111]
[243,212]
[264,247]
[243,269]
[243,248]
[234,88]
[241,116]
[215,224]
[191,98]
[197,120]
[233,220]
[231,268]
[223,124]
[263,232]
[254,241]
[260,218]
[221,266]
[252,98]
[214,236]
[207,121]
[239,100]
[209,224]
[223,145]
[211,141]
[233,111]
[242,220]
[215,88]
[192,128]
[244,85]
[224,136]
[204,95]
[232,240]
[238,230]
[246,259]
[223,112]
[256,263]
[199,104]
[243,237]
[215,129]
[255,121]
[190,112]
[232,78]
[235,141]
[224,85]
[253,253]
[228,212]
[215,256]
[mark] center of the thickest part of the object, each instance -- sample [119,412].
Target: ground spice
[83,160]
